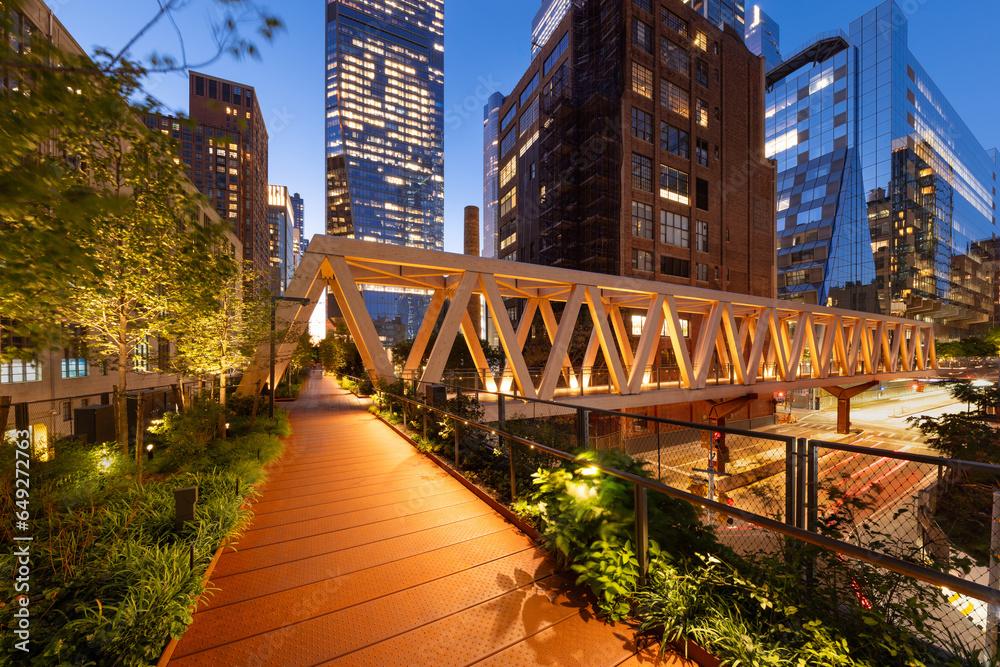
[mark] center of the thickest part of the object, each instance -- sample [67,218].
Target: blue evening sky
[486,48]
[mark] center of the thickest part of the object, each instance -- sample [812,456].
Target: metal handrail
[642,485]
[906,456]
[651,418]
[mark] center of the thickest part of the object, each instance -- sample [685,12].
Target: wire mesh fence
[935,512]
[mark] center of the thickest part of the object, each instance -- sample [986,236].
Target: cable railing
[799,510]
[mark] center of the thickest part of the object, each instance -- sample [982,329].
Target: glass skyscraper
[385,135]
[763,37]
[880,181]
[722,12]
[491,168]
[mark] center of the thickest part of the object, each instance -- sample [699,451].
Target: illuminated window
[509,202]
[675,229]
[508,172]
[701,40]
[642,80]
[18,371]
[675,185]
[73,368]
[701,112]
[675,99]
[793,278]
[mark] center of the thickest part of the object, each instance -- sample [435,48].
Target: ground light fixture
[274,325]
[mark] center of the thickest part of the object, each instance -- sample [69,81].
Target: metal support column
[582,428]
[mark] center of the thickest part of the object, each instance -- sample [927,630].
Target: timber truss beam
[763,343]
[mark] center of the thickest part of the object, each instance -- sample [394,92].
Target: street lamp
[274,325]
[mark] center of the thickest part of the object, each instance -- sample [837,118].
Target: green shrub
[117,580]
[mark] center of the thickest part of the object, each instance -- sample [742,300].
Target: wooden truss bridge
[766,345]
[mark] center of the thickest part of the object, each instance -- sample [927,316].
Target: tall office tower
[301,242]
[763,37]
[226,156]
[491,168]
[634,145]
[855,117]
[385,136]
[547,19]
[281,227]
[721,12]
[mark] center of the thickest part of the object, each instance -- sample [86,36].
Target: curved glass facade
[926,186]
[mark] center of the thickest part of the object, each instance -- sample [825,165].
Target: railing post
[790,454]
[813,486]
[583,428]
[458,436]
[993,611]
[642,532]
[513,472]
[425,424]
[501,428]
[800,484]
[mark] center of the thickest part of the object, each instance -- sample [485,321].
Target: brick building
[223,143]
[634,145]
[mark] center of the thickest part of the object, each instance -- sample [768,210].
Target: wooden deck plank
[363,551]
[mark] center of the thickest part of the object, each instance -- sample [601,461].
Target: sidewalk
[363,551]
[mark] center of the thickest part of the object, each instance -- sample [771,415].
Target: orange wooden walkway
[364,552]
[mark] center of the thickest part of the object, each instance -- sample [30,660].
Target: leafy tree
[220,340]
[302,357]
[971,346]
[153,259]
[60,109]
[993,338]
[970,435]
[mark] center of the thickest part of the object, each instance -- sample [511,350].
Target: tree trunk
[121,402]
[222,403]
[140,428]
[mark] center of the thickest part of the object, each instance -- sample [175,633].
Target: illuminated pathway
[363,551]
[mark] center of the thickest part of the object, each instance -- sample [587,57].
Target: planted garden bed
[112,580]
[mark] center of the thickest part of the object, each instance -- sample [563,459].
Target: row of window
[643,261]
[19,371]
[675,229]
[675,184]
[673,140]
[672,97]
